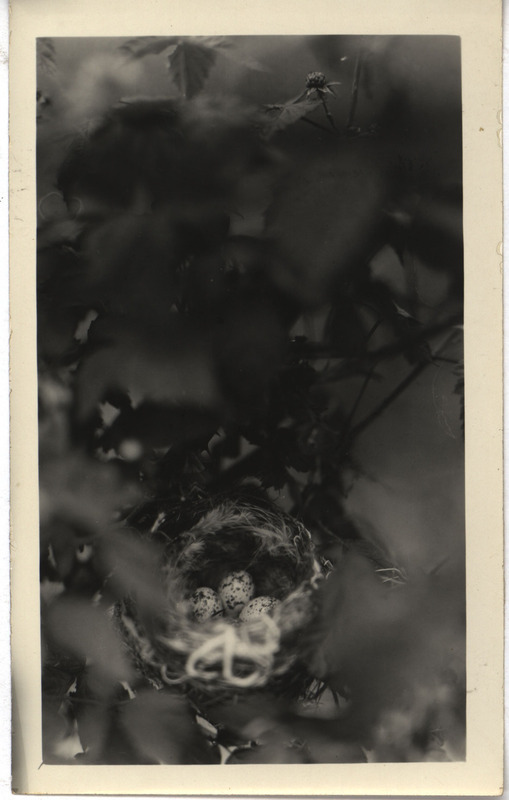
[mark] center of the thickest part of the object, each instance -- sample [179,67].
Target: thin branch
[359,398]
[364,386]
[328,114]
[354,92]
[315,124]
[400,388]
[312,350]
[372,330]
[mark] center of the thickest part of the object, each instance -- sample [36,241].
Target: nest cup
[202,548]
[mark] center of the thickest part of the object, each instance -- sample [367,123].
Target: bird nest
[204,549]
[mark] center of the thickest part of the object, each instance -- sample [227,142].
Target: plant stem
[364,383]
[328,114]
[315,124]
[400,388]
[316,350]
[354,91]
[358,399]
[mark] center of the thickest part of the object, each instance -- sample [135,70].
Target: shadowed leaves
[325,222]
[162,730]
[175,370]
[190,64]
[85,632]
[280,116]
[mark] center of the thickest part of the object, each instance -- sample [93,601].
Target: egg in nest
[235,591]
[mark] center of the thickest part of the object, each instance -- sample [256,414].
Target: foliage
[239,288]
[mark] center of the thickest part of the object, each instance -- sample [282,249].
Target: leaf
[82,492]
[162,730]
[273,745]
[324,749]
[325,221]
[142,46]
[173,369]
[283,115]
[153,425]
[94,722]
[83,630]
[190,64]
[345,329]
[406,326]
[134,568]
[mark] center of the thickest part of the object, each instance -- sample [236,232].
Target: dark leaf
[249,349]
[237,716]
[274,745]
[280,116]
[293,449]
[94,728]
[162,730]
[190,64]
[153,425]
[59,745]
[325,749]
[83,492]
[171,367]
[430,227]
[133,567]
[84,631]
[325,222]
[345,328]
[56,681]
[128,159]
[406,325]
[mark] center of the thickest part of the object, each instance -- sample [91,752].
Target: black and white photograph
[250,374]
[252,340]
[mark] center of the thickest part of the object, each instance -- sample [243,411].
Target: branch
[328,114]
[315,124]
[316,350]
[354,92]
[358,399]
[400,388]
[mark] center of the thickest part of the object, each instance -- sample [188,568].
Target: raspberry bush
[250,274]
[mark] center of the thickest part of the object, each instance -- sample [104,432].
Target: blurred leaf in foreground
[85,632]
[162,730]
[191,62]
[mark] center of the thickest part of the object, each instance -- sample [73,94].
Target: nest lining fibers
[218,654]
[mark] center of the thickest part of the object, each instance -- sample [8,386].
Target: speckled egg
[206,604]
[235,591]
[258,606]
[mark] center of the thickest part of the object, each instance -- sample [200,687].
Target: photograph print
[250,399]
